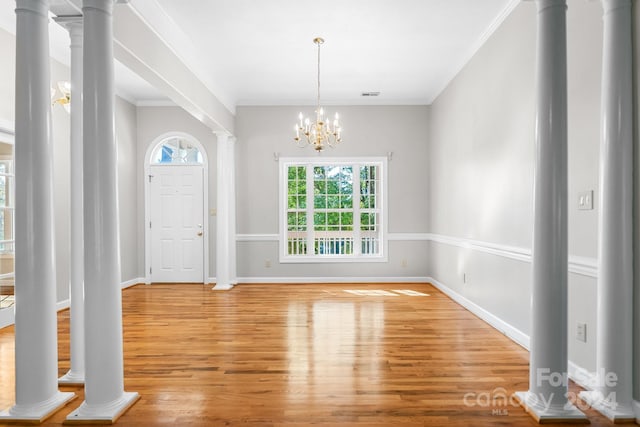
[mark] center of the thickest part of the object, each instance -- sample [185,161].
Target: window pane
[176,150]
[320,202]
[6,224]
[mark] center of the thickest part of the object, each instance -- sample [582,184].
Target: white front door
[176,220]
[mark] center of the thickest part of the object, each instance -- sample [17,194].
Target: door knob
[199,233]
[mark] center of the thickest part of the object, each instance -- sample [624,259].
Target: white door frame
[205,200]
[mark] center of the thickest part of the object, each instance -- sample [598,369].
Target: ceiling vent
[370,93]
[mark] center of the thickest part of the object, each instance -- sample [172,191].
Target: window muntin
[176,150]
[332,210]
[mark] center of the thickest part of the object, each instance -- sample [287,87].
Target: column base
[72,378]
[636,408]
[222,287]
[546,413]
[102,414]
[616,412]
[37,413]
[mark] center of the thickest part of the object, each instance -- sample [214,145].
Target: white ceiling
[256,52]
[252,52]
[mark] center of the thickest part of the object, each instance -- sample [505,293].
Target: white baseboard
[132,282]
[581,376]
[636,408]
[63,305]
[515,334]
[305,280]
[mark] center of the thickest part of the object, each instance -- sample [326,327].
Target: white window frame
[285,162]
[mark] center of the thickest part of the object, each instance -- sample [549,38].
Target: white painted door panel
[176,208]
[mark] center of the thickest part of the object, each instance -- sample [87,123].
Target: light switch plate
[581,332]
[585,200]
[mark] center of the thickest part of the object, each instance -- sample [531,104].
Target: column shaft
[546,399]
[223,233]
[36,344]
[75,375]
[105,398]
[613,393]
[233,273]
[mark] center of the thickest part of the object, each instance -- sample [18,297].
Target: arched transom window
[176,150]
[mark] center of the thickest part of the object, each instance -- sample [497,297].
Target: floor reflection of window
[328,342]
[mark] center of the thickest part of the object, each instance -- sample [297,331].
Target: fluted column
[223,232]
[233,273]
[612,395]
[105,399]
[546,399]
[75,375]
[36,343]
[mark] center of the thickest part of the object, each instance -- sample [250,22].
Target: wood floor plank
[298,355]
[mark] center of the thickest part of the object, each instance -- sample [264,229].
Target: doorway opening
[176,205]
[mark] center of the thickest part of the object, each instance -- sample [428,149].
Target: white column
[75,375]
[223,233]
[36,343]
[105,399]
[233,273]
[546,399]
[612,395]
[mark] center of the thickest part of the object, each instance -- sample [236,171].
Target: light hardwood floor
[284,355]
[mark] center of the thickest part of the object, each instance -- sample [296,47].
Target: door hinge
[150,176]
[150,270]
[149,224]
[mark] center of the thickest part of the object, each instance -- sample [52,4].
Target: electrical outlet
[581,332]
[267,263]
[404,263]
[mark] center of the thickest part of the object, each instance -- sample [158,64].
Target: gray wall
[126,137]
[481,154]
[369,131]
[153,122]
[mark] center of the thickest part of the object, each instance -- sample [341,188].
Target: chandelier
[322,132]
[65,98]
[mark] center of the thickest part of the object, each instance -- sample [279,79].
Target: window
[7,240]
[332,210]
[176,150]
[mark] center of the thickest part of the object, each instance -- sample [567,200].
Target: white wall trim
[584,378]
[63,305]
[257,238]
[307,280]
[132,282]
[513,333]
[265,237]
[584,266]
